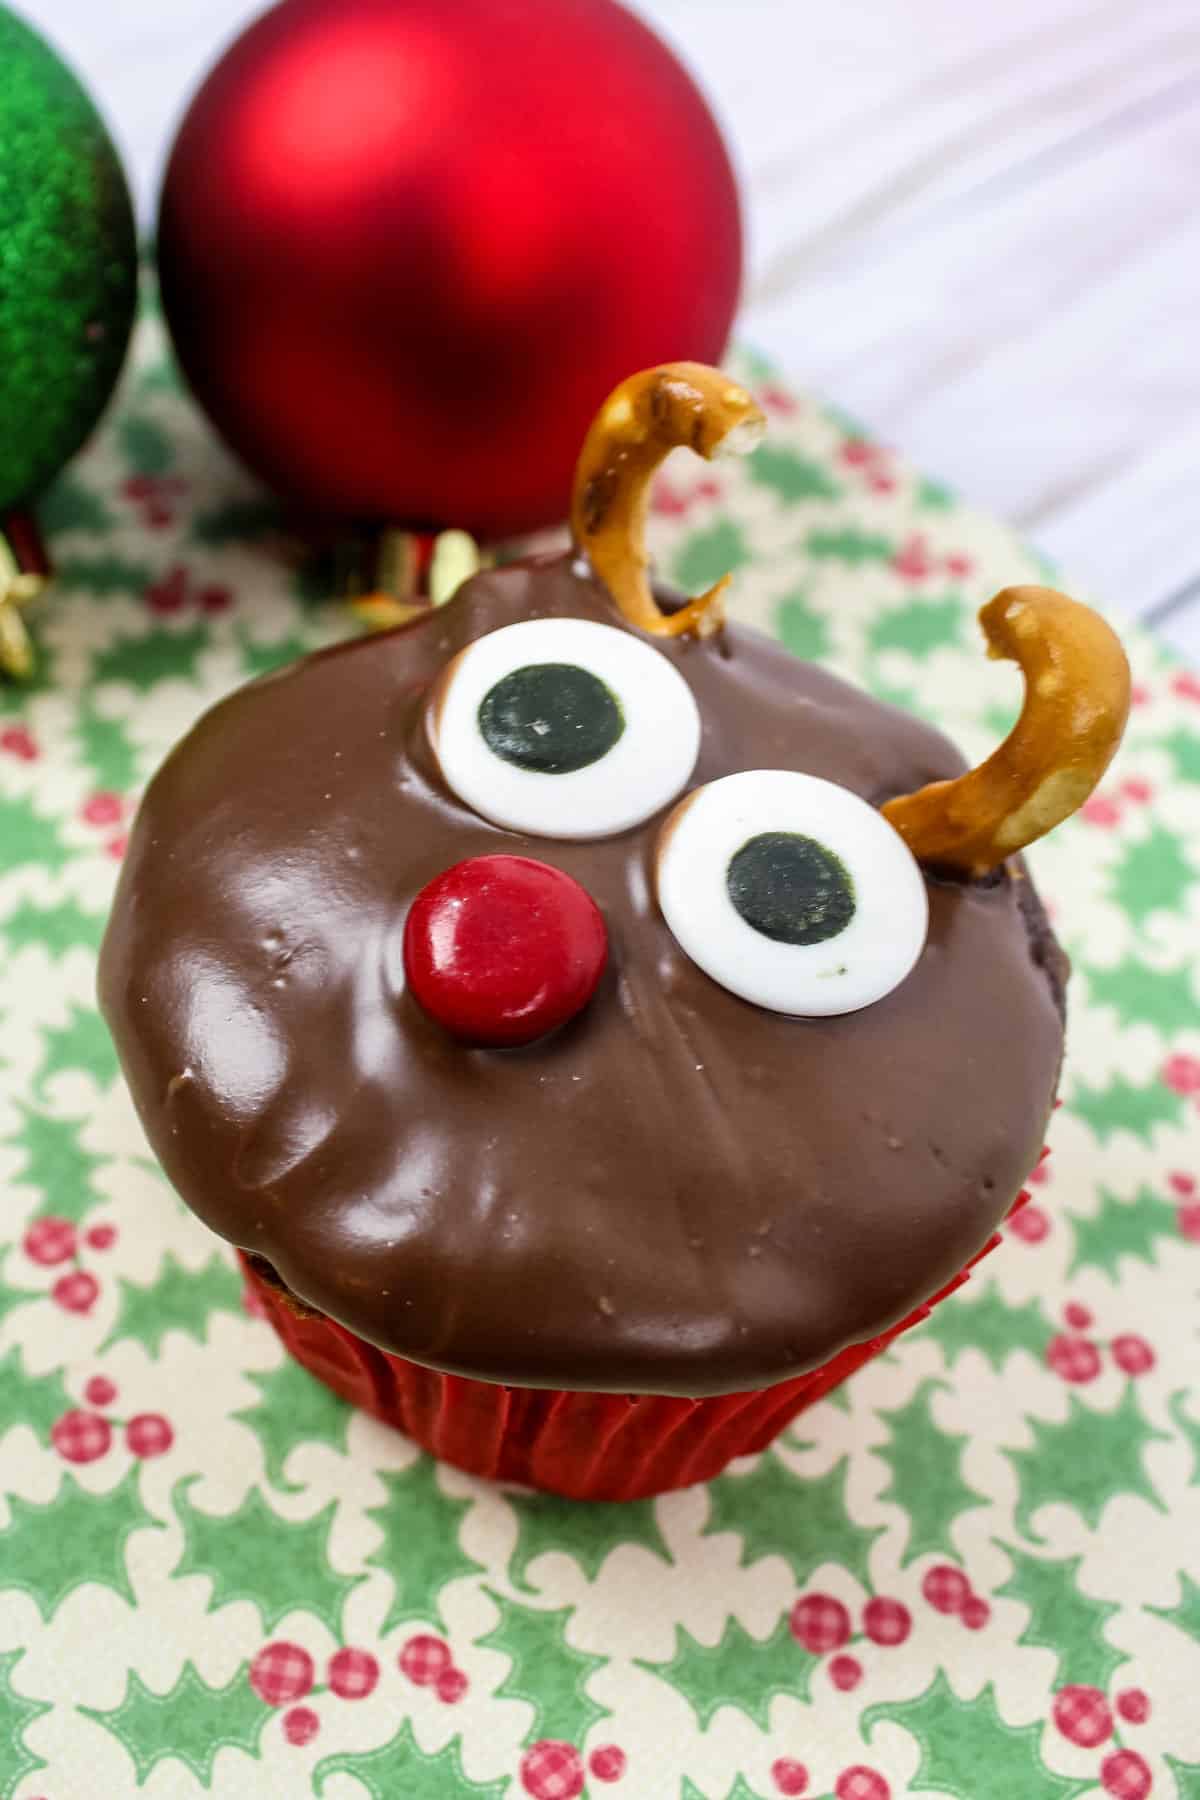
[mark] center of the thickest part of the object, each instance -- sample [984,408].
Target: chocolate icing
[679,1193]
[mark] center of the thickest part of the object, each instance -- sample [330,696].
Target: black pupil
[551,717]
[790,888]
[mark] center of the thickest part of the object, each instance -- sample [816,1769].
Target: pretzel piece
[1076,705]
[642,420]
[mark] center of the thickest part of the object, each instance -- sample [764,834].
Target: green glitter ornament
[68,283]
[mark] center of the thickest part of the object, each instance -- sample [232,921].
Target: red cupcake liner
[584,1445]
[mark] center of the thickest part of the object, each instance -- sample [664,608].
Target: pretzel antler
[1076,705]
[640,422]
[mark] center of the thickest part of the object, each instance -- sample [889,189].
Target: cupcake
[599,1031]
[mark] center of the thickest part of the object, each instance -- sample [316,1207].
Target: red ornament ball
[501,949]
[406,247]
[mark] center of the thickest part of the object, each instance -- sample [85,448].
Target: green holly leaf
[987,1324]
[33,1400]
[57,1164]
[1085,1462]
[1190,1429]
[1184,747]
[927,1481]
[1185,1616]
[707,555]
[969,1751]
[15,1714]
[803,631]
[545,1671]
[261,659]
[178,1299]
[589,1534]
[918,628]
[931,496]
[401,1767]
[70,506]
[1121,1228]
[191,1723]
[1122,1107]
[28,836]
[279,1565]
[1187,1778]
[101,576]
[740,1790]
[1061,1618]
[891,695]
[240,520]
[804,1519]
[47,1551]
[147,448]
[739,1670]
[157,656]
[791,476]
[82,1043]
[849,545]
[1164,998]
[420,1548]
[107,749]
[1152,875]
[59,928]
[293,1409]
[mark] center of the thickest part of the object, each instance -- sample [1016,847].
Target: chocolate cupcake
[599,1031]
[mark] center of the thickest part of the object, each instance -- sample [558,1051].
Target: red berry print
[117,846]
[1125,1775]
[778,400]
[912,561]
[1182,1073]
[300,1725]
[103,808]
[1031,1225]
[552,1771]
[1076,1359]
[789,1776]
[946,1588]
[708,489]
[215,599]
[1078,1317]
[1083,1716]
[451,1686]
[886,1621]
[423,1658]
[81,1437]
[976,1613]
[49,1241]
[76,1292]
[821,1623]
[959,565]
[857,453]
[100,1391]
[16,740]
[1182,1184]
[1102,810]
[352,1674]
[1189,1221]
[169,593]
[1133,1706]
[1137,790]
[282,1672]
[860,1783]
[149,1434]
[100,1237]
[1132,1353]
[607,1763]
[666,500]
[1186,685]
[845,1672]
[1039,1175]
[882,483]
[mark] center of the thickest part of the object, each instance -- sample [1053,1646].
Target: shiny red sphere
[407,247]
[501,950]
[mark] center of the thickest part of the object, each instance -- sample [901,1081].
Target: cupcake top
[773,1083]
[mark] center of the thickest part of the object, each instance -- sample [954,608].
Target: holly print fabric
[974,1572]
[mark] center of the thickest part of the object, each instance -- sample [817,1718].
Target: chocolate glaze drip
[679,1193]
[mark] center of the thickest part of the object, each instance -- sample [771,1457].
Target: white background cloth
[972,226]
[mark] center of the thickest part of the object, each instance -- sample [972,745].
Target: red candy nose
[501,949]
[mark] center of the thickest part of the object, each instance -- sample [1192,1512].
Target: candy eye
[791,892]
[564,728]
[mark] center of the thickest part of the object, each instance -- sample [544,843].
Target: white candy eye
[791,892]
[564,728]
